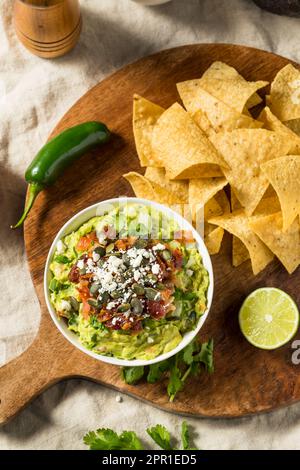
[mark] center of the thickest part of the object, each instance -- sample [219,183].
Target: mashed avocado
[128,283]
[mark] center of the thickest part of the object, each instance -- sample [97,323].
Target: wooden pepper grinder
[48,28]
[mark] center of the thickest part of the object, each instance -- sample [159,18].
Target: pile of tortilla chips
[239,173]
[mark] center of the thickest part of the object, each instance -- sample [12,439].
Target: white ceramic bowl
[75,222]
[151,2]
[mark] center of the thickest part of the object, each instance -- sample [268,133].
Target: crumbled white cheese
[110,305]
[189,272]
[150,340]
[135,262]
[80,264]
[60,247]
[158,247]
[155,268]
[136,275]
[65,306]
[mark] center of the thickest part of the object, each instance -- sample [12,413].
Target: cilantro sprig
[189,361]
[107,439]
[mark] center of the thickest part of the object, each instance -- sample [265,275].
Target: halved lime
[269,318]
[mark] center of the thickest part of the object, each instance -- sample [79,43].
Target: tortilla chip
[284,175]
[244,150]
[228,86]
[145,115]
[219,114]
[237,224]
[212,209]
[240,253]
[222,71]
[284,98]
[213,237]
[203,122]
[222,199]
[146,189]
[202,190]
[294,126]
[179,188]
[285,245]
[272,123]
[182,148]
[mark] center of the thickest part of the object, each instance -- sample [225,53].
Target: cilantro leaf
[185,436]
[156,371]
[175,383]
[107,439]
[187,354]
[161,436]
[62,259]
[206,355]
[131,375]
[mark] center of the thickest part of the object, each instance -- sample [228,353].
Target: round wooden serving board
[246,380]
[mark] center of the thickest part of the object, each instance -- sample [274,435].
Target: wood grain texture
[246,380]
[48,28]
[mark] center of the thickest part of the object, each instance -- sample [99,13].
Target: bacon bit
[87,241]
[125,243]
[166,294]
[131,241]
[105,315]
[137,327]
[121,244]
[74,275]
[87,276]
[156,309]
[178,258]
[163,269]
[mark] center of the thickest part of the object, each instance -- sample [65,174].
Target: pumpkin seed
[74,303]
[93,303]
[138,289]
[166,255]
[104,297]
[160,286]
[151,278]
[100,250]
[123,308]
[126,259]
[140,243]
[110,248]
[192,316]
[152,294]
[94,288]
[137,306]
[115,294]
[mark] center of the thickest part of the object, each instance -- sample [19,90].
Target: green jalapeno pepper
[57,155]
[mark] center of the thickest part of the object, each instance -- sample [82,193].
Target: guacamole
[129,283]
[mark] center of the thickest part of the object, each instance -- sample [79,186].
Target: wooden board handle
[26,376]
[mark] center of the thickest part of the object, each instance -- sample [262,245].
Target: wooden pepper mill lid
[48,28]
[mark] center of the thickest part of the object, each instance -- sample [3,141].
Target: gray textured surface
[34,94]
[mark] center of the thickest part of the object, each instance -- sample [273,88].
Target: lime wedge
[269,318]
